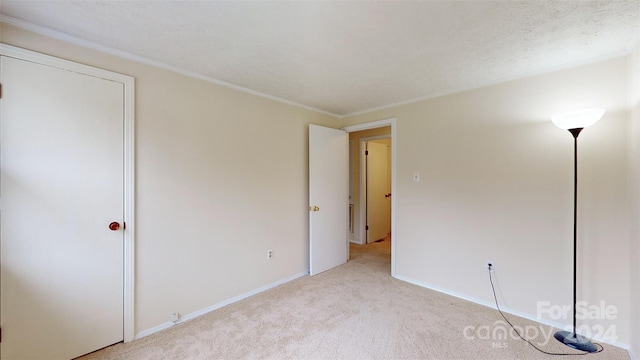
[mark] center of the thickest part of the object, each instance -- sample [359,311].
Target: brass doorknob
[314,208]
[114,226]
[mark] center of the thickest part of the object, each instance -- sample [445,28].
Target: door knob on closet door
[314,208]
[114,226]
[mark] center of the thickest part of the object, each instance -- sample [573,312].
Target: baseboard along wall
[508,311]
[219,305]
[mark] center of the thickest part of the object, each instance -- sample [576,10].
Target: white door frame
[129,169]
[373,125]
[362,220]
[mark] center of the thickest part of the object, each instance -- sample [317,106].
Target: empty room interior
[320,180]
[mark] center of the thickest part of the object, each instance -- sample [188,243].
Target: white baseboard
[507,310]
[631,354]
[208,309]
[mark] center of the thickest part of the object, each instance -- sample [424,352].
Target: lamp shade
[577,119]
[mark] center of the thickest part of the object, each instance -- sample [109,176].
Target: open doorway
[359,142]
[376,186]
[371,183]
[371,187]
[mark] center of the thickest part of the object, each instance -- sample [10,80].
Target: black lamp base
[575,341]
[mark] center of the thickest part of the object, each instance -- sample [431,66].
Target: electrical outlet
[175,316]
[489,265]
[269,254]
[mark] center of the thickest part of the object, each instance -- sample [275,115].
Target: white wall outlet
[269,254]
[175,316]
[416,176]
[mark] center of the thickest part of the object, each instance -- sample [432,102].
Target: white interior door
[378,204]
[61,187]
[387,207]
[328,198]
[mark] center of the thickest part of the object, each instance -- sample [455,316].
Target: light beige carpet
[355,311]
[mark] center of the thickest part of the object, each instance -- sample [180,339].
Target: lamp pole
[575,122]
[575,132]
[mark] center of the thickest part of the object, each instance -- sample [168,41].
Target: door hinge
[367,227]
[366,152]
[0,91]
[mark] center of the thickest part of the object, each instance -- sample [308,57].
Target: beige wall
[634,182]
[214,190]
[355,172]
[496,185]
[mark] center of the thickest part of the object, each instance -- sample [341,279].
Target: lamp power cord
[522,337]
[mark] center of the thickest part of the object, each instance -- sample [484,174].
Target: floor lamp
[574,122]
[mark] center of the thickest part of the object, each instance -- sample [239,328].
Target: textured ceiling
[348,57]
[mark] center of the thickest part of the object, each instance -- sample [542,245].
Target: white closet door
[61,187]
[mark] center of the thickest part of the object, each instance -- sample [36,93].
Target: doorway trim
[128,163]
[373,125]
